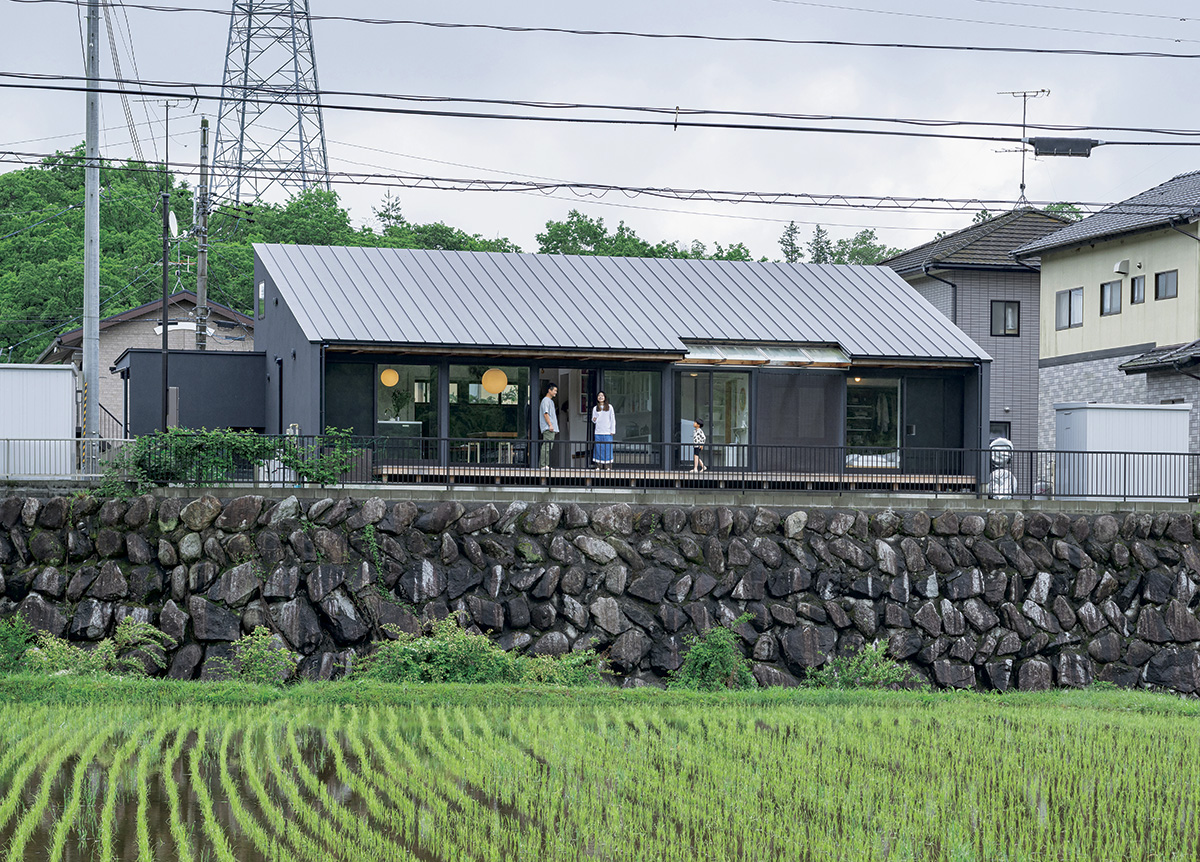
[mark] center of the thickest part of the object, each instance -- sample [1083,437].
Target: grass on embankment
[102,690]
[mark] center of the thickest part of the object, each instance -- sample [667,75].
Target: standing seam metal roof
[627,305]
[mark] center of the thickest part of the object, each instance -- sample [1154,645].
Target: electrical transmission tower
[270,134]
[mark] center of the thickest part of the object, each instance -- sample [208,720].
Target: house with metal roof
[448,355]
[1120,304]
[972,278]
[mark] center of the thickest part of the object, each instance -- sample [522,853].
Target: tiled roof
[1177,200]
[986,245]
[1162,358]
[616,304]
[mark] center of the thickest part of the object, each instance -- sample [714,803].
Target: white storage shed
[38,418]
[1122,450]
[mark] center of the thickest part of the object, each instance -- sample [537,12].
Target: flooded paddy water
[613,782]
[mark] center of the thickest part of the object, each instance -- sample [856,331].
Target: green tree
[863,248]
[1065,210]
[983,215]
[789,243]
[820,247]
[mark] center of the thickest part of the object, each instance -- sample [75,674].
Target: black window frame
[1111,289]
[1074,300]
[1158,292]
[1004,305]
[1137,290]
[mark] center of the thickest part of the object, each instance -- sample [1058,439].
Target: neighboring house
[972,277]
[427,345]
[1119,304]
[141,327]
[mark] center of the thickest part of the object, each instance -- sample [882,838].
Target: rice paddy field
[502,775]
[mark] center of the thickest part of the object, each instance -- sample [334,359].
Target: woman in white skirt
[605,420]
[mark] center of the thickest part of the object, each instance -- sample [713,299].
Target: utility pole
[91,240]
[202,245]
[166,260]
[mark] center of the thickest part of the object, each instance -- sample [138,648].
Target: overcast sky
[868,82]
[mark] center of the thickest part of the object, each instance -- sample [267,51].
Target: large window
[406,410]
[489,412]
[1006,317]
[1110,298]
[1068,308]
[1166,284]
[872,414]
[636,398]
[1137,290]
[721,399]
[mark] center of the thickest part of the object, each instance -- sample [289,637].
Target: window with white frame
[1068,308]
[1110,298]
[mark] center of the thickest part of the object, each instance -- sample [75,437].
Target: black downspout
[279,372]
[953,291]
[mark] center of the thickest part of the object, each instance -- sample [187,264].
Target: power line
[948,18]
[663,110]
[673,118]
[598,190]
[1120,12]
[766,40]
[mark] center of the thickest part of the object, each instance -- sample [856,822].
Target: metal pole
[202,245]
[166,257]
[91,233]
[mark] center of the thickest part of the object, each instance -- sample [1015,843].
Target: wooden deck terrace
[628,477]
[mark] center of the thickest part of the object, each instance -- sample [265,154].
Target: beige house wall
[1166,321]
[144,332]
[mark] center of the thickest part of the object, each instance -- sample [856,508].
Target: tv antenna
[1024,96]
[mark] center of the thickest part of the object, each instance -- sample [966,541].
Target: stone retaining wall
[988,600]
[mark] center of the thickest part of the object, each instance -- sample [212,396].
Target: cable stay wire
[764,40]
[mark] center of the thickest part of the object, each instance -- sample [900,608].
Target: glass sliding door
[406,420]
[489,414]
[721,400]
[636,398]
[873,422]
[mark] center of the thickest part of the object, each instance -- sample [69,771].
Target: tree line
[41,243]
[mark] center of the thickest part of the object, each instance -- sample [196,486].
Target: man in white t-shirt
[548,424]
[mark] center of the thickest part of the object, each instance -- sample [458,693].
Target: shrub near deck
[966,600]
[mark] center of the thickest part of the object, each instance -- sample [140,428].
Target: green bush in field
[16,636]
[257,658]
[868,667]
[451,654]
[714,662]
[126,652]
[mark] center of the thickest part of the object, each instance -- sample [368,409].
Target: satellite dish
[174,223]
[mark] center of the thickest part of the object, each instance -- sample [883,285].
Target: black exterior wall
[216,389]
[288,354]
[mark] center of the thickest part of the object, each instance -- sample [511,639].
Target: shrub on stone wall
[714,661]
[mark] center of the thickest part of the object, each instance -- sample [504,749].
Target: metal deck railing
[511,461]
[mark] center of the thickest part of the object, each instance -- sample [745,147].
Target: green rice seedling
[32,761]
[149,755]
[112,788]
[37,807]
[179,835]
[218,842]
[76,797]
[264,841]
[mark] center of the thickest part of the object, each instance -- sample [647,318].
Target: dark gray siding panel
[283,339]
[216,389]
